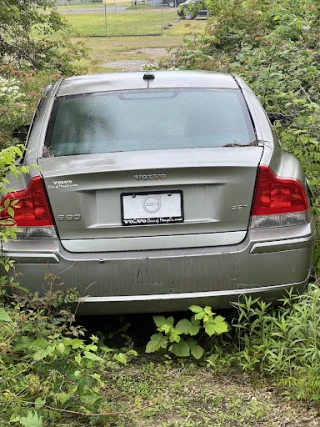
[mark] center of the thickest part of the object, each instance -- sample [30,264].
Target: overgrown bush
[283,343]
[275,47]
[184,338]
[20,90]
[279,343]
[32,38]
[49,370]
[35,50]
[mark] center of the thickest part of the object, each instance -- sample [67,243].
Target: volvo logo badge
[151,176]
[151,204]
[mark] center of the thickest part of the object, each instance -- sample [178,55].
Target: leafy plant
[35,39]
[171,337]
[274,46]
[283,343]
[47,366]
[8,228]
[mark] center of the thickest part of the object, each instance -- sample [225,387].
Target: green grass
[121,24]
[188,396]
[105,49]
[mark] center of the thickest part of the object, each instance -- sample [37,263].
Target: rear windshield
[138,120]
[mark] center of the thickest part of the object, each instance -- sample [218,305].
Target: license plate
[152,208]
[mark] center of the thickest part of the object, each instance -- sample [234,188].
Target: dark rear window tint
[148,120]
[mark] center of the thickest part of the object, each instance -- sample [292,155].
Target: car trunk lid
[170,198]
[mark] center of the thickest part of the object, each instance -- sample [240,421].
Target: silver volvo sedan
[160,190]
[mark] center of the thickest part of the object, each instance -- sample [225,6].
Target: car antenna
[148,77]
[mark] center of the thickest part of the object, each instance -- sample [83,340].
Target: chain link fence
[117,17]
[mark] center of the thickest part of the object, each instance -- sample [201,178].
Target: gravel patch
[136,64]
[129,65]
[154,52]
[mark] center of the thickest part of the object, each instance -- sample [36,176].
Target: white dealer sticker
[62,184]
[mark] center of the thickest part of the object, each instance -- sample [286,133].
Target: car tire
[313,277]
[171,3]
[190,15]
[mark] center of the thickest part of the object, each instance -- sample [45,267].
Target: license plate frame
[152,208]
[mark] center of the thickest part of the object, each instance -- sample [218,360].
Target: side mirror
[21,133]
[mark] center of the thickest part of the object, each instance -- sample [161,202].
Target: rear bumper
[179,302]
[265,264]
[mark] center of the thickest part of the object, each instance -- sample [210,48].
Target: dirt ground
[136,64]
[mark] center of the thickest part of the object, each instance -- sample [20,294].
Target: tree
[32,36]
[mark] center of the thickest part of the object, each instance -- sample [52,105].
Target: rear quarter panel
[282,163]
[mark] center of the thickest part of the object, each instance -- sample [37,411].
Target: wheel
[171,3]
[190,14]
[180,13]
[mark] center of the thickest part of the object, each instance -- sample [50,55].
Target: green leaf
[195,328]
[39,403]
[77,374]
[174,335]
[11,212]
[43,353]
[24,169]
[220,324]
[163,324]
[200,315]
[170,321]
[156,342]
[78,359]
[121,358]
[92,356]
[184,326]
[208,310]
[159,321]
[22,343]
[40,343]
[63,397]
[18,151]
[210,329]
[180,349]
[61,348]
[4,316]
[31,420]
[89,399]
[197,352]
[75,343]
[196,349]
[196,308]
[216,326]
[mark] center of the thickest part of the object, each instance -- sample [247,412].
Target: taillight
[32,208]
[278,201]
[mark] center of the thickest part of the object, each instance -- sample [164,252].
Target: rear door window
[148,120]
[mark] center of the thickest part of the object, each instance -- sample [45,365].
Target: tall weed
[282,342]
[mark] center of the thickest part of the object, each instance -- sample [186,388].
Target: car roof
[134,80]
